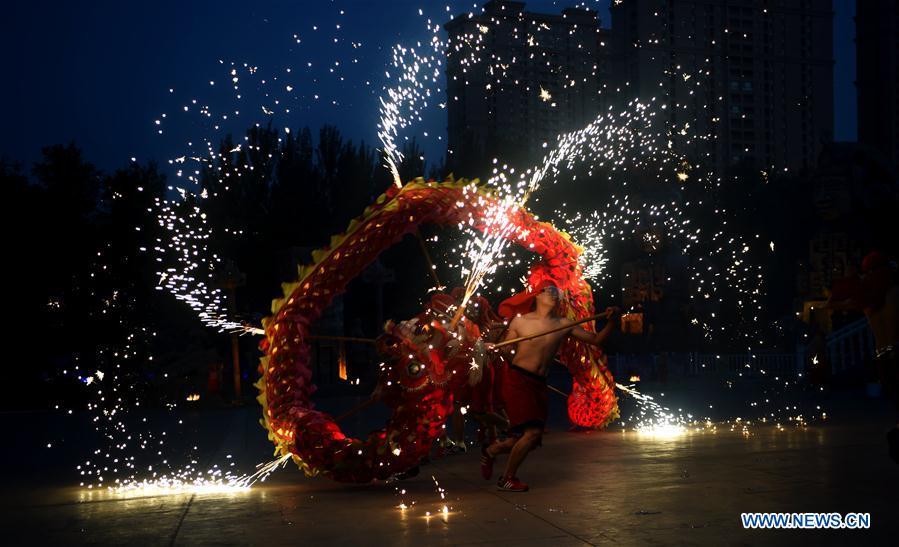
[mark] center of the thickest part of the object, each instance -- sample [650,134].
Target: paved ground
[587,488]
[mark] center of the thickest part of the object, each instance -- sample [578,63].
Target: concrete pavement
[587,488]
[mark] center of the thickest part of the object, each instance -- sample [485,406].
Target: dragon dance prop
[427,360]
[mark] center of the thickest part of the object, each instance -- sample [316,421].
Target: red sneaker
[486,464]
[511,484]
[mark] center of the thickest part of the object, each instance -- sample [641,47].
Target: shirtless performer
[524,387]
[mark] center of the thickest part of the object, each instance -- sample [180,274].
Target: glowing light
[665,431]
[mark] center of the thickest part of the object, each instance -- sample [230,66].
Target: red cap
[872,261]
[522,302]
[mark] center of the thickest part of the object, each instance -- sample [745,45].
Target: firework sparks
[635,137]
[212,482]
[654,419]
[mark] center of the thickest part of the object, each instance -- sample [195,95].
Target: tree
[413,164]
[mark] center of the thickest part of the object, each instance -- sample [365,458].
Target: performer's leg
[527,442]
[489,452]
[482,438]
[502,447]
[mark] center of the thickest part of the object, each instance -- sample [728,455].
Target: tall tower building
[536,76]
[877,53]
[767,96]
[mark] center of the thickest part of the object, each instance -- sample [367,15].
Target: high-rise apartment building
[765,69]
[537,75]
[877,53]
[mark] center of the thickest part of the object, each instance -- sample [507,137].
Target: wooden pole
[341,338]
[457,316]
[557,329]
[424,250]
[235,358]
[358,408]
[365,404]
[231,286]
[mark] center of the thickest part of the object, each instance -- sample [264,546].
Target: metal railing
[683,365]
[850,346]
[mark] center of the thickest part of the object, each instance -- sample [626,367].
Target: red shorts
[525,397]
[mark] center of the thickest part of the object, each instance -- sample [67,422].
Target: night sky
[100,73]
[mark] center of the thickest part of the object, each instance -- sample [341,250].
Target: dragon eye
[415,368]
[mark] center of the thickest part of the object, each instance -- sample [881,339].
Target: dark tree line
[288,195]
[82,269]
[79,281]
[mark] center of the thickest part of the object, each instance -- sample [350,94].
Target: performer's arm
[598,338]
